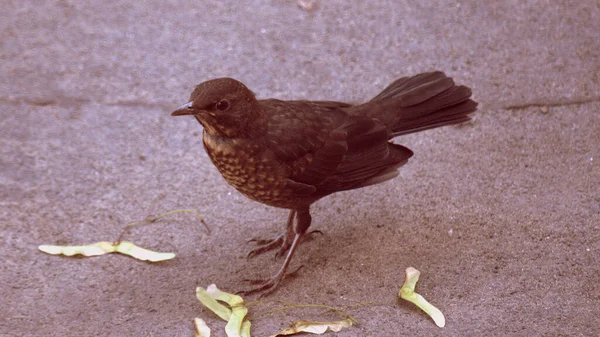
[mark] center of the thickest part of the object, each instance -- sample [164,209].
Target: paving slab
[501,215]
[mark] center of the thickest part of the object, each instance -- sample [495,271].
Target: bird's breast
[250,168]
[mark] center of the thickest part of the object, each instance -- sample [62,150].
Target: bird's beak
[185,109]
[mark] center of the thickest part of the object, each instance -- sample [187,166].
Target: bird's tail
[421,102]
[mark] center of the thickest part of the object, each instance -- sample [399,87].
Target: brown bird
[290,154]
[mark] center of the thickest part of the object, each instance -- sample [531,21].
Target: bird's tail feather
[421,102]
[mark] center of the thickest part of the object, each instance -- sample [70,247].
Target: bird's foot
[270,285]
[266,245]
[267,286]
[284,241]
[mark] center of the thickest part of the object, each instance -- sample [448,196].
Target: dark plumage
[290,154]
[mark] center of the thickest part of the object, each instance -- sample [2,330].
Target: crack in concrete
[541,104]
[65,101]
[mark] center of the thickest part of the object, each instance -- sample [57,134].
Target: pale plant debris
[407,292]
[150,220]
[232,309]
[307,5]
[105,247]
[119,245]
[234,313]
[288,306]
[202,330]
[314,327]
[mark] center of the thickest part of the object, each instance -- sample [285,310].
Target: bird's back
[326,147]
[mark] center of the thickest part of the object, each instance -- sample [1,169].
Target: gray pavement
[501,215]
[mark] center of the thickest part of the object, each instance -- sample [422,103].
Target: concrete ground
[501,215]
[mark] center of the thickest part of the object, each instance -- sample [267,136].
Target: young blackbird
[290,154]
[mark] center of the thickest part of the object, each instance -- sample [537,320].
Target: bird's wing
[329,150]
[300,137]
[369,158]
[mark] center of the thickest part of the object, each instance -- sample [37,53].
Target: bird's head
[225,107]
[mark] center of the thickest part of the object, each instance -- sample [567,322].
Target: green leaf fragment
[407,292]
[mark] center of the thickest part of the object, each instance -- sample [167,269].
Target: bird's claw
[266,286]
[283,242]
[266,245]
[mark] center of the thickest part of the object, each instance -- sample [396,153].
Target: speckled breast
[250,169]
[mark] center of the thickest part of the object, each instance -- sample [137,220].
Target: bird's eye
[222,105]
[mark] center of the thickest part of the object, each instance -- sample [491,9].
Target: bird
[289,154]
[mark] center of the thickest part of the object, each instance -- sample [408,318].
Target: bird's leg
[284,241]
[267,286]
